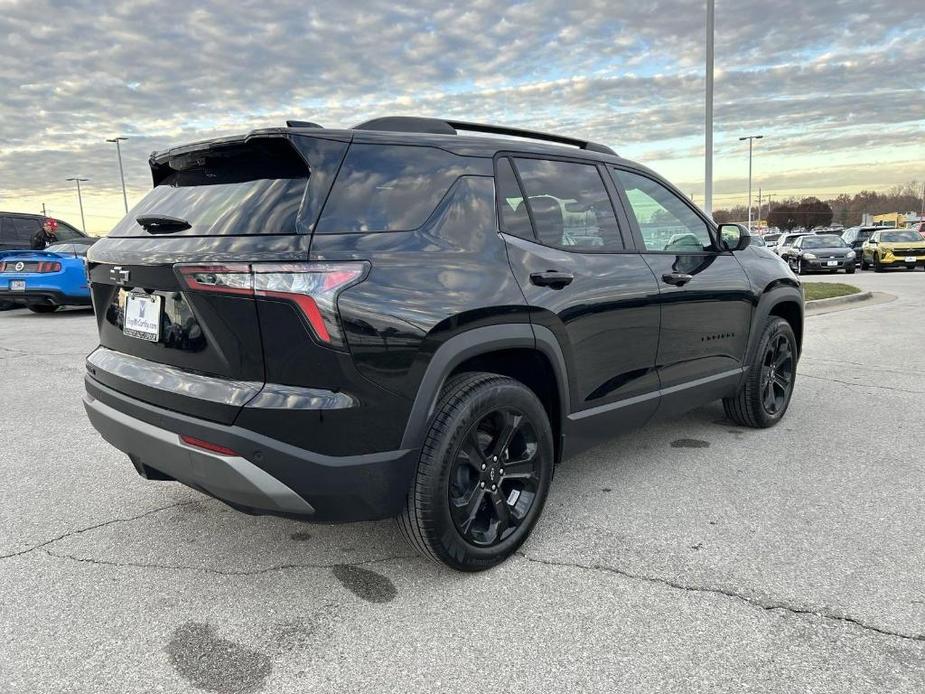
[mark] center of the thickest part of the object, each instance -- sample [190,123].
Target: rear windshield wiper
[162,224]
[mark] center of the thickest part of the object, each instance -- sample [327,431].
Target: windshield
[900,237]
[822,242]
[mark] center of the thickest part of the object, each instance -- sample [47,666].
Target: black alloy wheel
[495,476]
[483,475]
[767,387]
[777,375]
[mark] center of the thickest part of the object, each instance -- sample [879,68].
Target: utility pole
[121,173]
[708,129]
[83,223]
[43,210]
[751,139]
[758,221]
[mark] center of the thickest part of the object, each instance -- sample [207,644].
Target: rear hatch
[178,320]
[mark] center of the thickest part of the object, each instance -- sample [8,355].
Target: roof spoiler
[439,126]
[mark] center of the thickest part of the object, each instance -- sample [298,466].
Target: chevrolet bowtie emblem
[118,275]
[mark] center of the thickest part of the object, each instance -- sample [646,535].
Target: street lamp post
[750,138]
[83,223]
[708,129]
[121,173]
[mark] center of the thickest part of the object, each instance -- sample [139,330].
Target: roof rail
[301,124]
[439,126]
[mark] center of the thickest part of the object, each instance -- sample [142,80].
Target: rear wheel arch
[515,350]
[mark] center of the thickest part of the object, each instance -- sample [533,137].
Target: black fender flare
[773,295]
[473,343]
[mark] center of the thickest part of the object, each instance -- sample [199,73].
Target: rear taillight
[312,287]
[225,279]
[43,266]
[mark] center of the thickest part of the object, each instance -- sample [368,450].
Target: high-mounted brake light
[312,287]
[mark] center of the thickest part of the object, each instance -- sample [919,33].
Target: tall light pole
[750,138]
[708,129]
[83,223]
[121,173]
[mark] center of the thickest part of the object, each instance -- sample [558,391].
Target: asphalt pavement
[691,556]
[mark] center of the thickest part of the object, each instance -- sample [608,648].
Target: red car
[919,227]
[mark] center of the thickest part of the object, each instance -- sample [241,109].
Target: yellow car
[893,248]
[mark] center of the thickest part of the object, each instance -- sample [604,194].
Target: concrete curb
[821,307]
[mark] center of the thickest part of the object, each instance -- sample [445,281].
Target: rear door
[705,296]
[587,285]
[178,326]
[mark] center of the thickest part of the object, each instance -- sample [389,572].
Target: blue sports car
[46,280]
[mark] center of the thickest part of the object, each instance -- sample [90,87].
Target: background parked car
[44,281]
[919,227]
[893,248]
[786,240]
[855,238]
[817,252]
[18,228]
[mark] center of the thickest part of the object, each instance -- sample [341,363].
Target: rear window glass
[252,189]
[389,188]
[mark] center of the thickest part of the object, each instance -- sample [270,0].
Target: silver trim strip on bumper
[230,478]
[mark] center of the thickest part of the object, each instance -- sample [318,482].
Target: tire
[456,451]
[800,269]
[43,308]
[864,265]
[877,266]
[750,406]
[849,270]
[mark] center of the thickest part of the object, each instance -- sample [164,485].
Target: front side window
[569,205]
[666,222]
[65,233]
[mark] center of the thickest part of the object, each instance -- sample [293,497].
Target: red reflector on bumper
[208,446]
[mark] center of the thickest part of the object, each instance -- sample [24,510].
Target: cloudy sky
[837,87]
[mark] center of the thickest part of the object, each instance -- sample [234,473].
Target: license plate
[142,317]
[910,258]
[832,263]
[17,285]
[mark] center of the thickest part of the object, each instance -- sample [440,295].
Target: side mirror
[734,237]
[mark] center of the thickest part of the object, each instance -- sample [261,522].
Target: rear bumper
[45,296]
[840,264]
[265,477]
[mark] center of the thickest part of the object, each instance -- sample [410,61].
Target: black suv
[399,320]
[18,228]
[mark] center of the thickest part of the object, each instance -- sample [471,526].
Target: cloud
[818,79]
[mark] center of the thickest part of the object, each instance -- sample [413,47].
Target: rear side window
[20,230]
[515,219]
[388,188]
[569,205]
[255,188]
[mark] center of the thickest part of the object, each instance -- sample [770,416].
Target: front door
[705,296]
[598,297]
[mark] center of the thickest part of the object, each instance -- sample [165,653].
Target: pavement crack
[95,526]
[768,605]
[860,385]
[222,572]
